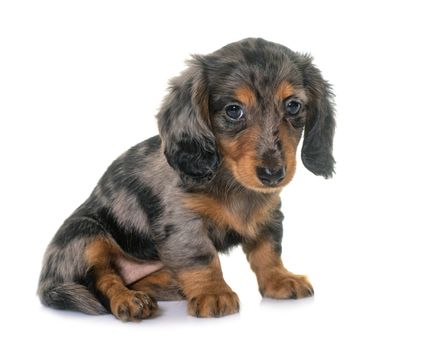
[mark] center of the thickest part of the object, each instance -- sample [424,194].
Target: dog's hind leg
[124,303]
[161,285]
[63,282]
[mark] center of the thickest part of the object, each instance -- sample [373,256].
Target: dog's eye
[234,112]
[293,109]
[293,106]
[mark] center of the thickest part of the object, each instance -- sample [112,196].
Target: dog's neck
[225,187]
[230,205]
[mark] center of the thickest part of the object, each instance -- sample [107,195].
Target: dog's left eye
[293,106]
[234,112]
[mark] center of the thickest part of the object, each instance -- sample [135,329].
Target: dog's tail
[70,296]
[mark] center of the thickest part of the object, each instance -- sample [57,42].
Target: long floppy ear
[316,151]
[184,126]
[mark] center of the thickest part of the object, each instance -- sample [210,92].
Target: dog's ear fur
[184,126]
[316,151]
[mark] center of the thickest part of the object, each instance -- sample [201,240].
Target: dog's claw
[214,305]
[133,306]
[287,286]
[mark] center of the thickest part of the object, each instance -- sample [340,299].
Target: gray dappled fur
[138,201]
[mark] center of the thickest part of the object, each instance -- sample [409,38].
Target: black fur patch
[204,259]
[229,240]
[131,241]
[149,201]
[274,231]
[168,230]
[198,160]
[76,227]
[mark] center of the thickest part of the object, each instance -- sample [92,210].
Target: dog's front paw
[286,286]
[133,306]
[214,305]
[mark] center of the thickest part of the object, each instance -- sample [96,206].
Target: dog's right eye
[234,112]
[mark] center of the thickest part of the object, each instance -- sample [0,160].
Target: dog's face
[244,108]
[257,125]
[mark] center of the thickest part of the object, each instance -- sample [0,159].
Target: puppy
[153,226]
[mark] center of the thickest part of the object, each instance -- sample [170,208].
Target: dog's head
[245,107]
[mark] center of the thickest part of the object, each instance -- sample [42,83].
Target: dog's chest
[241,216]
[224,239]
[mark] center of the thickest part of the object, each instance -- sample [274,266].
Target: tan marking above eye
[284,90]
[245,95]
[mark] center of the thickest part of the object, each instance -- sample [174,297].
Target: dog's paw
[214,305]
[133,306]
[286,286]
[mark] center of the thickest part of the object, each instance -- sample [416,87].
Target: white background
[81,81]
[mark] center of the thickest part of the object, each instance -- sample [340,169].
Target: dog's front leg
[207,293]
[273,278]
[198,271]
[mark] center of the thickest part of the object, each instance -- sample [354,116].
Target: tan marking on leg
[273,278]
[161,285]
[207,293]
[125,304]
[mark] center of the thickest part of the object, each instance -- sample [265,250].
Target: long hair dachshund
[153,226]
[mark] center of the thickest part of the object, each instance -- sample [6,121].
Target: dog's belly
[133,270]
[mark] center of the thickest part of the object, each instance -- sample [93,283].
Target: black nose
[270,177]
